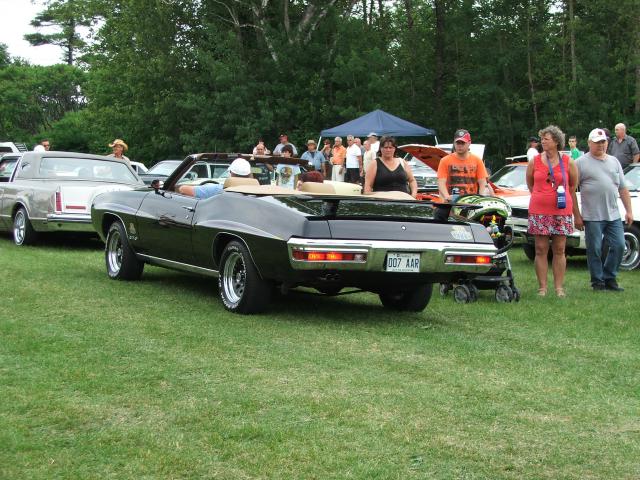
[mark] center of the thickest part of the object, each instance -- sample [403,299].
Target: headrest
[315,187]
[235,181]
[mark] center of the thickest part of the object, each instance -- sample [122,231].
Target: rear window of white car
[85,169]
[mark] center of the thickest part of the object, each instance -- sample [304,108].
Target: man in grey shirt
[601,181]
[624,147]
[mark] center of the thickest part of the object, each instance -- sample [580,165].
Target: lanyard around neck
[553,179]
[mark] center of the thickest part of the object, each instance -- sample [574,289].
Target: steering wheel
[209,181]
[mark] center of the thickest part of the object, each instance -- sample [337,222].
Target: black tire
[23,232]
[462,294]
[414,299]
[475,293]
[631,256]
[121,261]
[504,294]
[241,288]
[530,252]
[329,290]
[444,289]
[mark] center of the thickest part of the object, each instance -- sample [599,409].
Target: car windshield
[356,208]
[86,169]
[511,176]
[203,171]
[163,168]
[632,178]
[6,167]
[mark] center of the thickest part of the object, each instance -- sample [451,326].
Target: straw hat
[118,141]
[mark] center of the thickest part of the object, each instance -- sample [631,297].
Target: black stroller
[492,212]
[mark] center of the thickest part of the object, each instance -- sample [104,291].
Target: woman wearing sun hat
[119,147]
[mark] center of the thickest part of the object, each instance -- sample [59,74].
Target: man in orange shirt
[461,170]
[338,154]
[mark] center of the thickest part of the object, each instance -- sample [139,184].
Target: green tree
[68,16]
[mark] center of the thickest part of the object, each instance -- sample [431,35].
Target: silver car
[53,191]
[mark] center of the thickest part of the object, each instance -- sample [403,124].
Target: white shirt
[353,152]
[531,153]
[375,146]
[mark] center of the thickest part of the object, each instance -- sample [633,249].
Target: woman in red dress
[550,177]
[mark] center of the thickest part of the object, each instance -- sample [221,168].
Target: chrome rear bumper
[432,254]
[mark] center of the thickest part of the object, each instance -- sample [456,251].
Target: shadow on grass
[297,304]
[65,240]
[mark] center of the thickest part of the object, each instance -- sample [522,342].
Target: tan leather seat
[235,181]
[315,187]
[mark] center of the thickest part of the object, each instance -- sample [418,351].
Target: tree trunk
[409,9]
[572,43]
[438,80]
[532,91]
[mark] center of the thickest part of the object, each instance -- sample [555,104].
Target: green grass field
[154,379]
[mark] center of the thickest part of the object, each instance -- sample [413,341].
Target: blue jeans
[612,232]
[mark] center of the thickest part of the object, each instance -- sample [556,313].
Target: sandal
[542,292]
[560,292]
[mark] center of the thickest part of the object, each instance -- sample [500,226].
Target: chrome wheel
[234,277]
[631,255]
[120,259]
[19,226]
[114,252]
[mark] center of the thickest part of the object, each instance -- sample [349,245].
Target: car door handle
[188,209]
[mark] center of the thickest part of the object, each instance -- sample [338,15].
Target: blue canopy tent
[380,122]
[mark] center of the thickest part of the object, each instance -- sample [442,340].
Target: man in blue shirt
[313,156]
[238,168]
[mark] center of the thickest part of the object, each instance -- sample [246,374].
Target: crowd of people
[553,178]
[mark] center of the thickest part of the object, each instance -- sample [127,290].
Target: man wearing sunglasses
[601,181]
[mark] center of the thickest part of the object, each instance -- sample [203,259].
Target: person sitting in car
[312,176]
[238,168]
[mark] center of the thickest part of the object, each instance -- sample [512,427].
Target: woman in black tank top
[389,173]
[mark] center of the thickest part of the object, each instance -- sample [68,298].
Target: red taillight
[322,256]
[58,202]
[468,259]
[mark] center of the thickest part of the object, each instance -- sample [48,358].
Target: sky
[15,17]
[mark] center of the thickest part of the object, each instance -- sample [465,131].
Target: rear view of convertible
[259,238]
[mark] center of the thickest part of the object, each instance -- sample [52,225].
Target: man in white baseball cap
[601,181]
[238,168]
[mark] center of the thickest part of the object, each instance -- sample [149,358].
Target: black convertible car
[257,239]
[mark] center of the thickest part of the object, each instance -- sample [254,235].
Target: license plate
[403,262]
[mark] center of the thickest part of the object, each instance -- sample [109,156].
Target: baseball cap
[373,134]
[311,141]
[597,135]
[534,139]
[462,135]
[240,167]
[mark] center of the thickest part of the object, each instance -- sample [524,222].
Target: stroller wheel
[444,289]
[504,294]
[516,294]
[462,294]
[475,293]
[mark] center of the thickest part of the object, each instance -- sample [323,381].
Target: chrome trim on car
[76,218]
[432,254]
[185,267]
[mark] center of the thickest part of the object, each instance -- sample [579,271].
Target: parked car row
[254,238]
